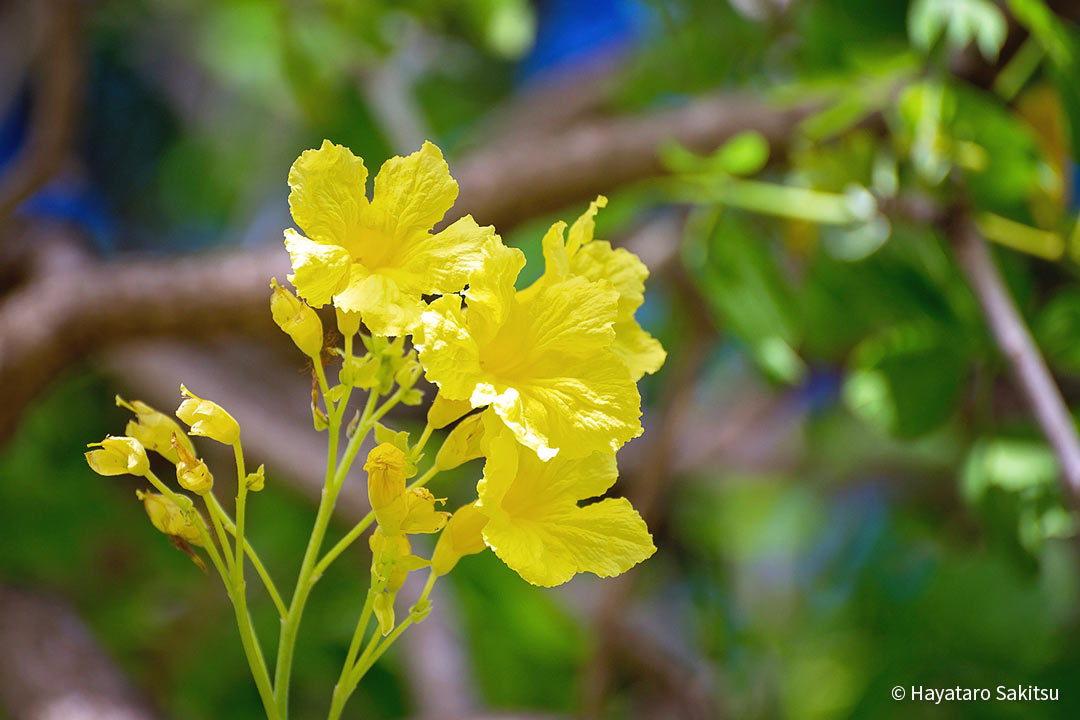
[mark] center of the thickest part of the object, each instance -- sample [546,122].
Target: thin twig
[1016,344]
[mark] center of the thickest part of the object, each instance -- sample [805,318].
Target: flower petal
[414,191]
[386,310]
[620,267]
[447,350]
[442,263]
[639,351]
[491,289]
[583,229]
[589,404]
[328,193]
[320,270]
[537,528]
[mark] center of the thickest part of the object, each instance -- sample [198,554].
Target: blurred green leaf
[907,380]
[961,21]
[743,284]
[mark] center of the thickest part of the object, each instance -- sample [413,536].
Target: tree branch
[55,106]
[1014,339]
[56,318]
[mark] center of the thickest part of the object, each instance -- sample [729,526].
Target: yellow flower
[297,320]
[579,255]
[378,258]
[118,456]
[154,429]
[168,518]
[541,361]
[208,419]
[399,510]
[462,536]
[536,526]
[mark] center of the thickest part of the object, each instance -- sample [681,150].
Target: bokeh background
[847,485]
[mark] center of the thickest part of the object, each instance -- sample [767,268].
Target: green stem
[215,518]
[335,477]
[253,556]
[320,373]
[241,502]
[247,633]
[423,438]
[337,703]
[291,625]
[370,658]
[239,594]
[182,501]
[375,650]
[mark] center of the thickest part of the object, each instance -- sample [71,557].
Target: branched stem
[375,649]
[335,477]
[256,562]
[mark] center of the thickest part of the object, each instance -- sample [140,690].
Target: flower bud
[462,536]
[464,443]
[208,419]
[255,481]
[191,472]
[391,562]
[348,323]
[385,467]
[408,372]
[299,321]
[154,429]
[168,518]
[443,412]
[118,456]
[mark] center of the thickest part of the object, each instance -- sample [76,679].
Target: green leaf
[744,154]
[906,381]
[1010,464]
[743,284]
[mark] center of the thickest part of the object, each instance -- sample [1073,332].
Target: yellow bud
[462,536]
[391,562]
[256,480]
[443,412]
[118,456]
[408,372]
[464,443]
[299,321]
[154,429]
[385,466]
[208,419]
[191,472]
[167,517]
[348,323]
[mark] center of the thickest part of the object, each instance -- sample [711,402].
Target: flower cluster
[553,366]
[540,382]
